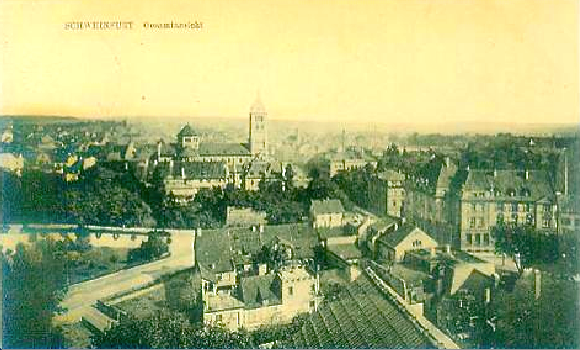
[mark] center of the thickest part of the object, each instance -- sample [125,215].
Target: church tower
[257,137]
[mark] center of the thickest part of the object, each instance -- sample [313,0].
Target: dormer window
[511,192]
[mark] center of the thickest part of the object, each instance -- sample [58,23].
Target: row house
[432,204]
[491,197]
[387,193]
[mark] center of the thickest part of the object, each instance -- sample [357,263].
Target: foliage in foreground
[169,331]
[33,284]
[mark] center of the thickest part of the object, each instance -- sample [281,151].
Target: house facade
[393,246]
[326,213]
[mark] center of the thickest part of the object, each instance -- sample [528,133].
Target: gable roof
[393,239]
[326,206]
[474,282]
[201,170]
[222,149]
[256,289]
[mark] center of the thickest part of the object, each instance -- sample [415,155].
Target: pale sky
[384,60]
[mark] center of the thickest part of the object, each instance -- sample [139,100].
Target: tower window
[290,291]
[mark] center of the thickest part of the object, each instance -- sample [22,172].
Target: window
[313,288]
[477,239]
[479,207]
[481,222]
[546,223]
[219,318]
[499,218]
[290,291]
[486,238]
[514,207]
[546,207]
[311,303]
[472,222]
[469,238]
[566,221]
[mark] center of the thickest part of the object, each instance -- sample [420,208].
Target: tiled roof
[218,248]
[359,318]
[201,170]
[256,289]
[477,282]
[345,250]
[326,206]
[222,149]
[409,274]
[505,181]
[301,236]
[392,239]
[383,223]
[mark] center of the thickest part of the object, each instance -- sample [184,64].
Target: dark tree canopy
[33,284]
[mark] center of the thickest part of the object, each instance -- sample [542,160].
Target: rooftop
[222,149]
[408,274]
[186,131]
[345,251]
[392,239]
[257,290]
[326,206]
[360,317]
[512,183]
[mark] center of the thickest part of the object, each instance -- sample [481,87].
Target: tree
[525,321]
[169,331]
[289,177]
[33,284]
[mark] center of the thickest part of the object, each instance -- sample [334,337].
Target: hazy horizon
[417,61]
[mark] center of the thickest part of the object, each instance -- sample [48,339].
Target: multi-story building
[490,197]
[191,163]
[262,299]
[386,193]
[431,203]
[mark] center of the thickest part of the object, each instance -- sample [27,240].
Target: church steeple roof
[186,131]
[258,107]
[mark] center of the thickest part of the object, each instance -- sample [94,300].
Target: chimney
[447,162]
[487,295]
[159,144]
[527,174]
[261,228]
[448,249]
[198,231]
[262,269]
[494,172]
[183,173]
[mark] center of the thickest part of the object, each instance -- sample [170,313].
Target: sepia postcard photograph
[290,174]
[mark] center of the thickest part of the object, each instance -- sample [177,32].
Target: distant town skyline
[418,62]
